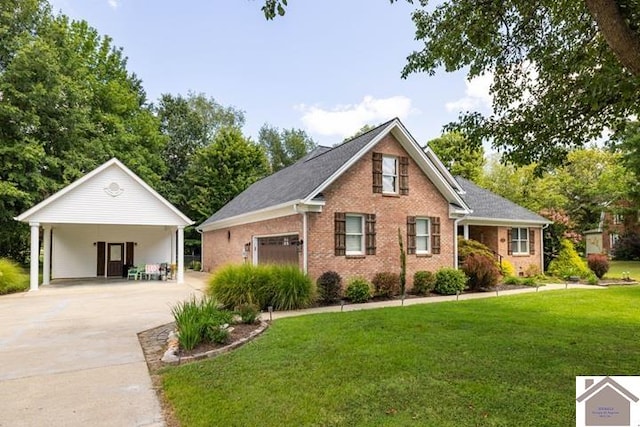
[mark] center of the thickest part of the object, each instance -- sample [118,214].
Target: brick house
[615,221]
[341,208]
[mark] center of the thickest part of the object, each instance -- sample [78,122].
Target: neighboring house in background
[341,209]
[101,223]
[615,221]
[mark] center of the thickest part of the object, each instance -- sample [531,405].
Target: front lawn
[508,361]
[616,268]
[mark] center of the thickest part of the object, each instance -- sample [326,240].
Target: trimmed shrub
[481,271]
[291,288]
[12,277]
[599,264]
[423,282]
[386,284]
[568,263]
[506,268]
[627,248]
[329,286]
[358,290]
[449,281]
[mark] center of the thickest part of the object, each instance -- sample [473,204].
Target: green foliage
[423,282]
[628,247]
[284,287]
[285,147]
[249,313]
[599,264]
[198,320]
[506,268]
[329,286]
[592,279]
[568,263]
[358,290]
[467,247]
[12,277]
[520,281]
[291,288]
[217,334]
[459,155]
[481,271]
[386,284]
[220,171]
[195,265]
[450,281]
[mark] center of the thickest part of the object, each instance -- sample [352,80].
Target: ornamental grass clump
[291,288]
[12,277]
[199,321]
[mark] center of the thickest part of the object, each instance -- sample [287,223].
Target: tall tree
[563,70]
[220,171]
[190,123]
[284,147]
[459,155]
[68,105]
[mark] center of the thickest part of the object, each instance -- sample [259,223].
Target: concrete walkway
[69,355]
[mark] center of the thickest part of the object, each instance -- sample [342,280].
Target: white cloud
[345,120]
[477,95]
[113,3]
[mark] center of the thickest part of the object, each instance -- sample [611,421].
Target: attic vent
[114,189]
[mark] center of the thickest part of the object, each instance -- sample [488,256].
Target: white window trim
[361,234]
[395,175]
[516,247]
[428,236]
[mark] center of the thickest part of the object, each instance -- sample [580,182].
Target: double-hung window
[389,175]
[354,228]
[423,238]
[520,241]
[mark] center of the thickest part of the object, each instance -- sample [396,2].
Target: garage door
[278,250]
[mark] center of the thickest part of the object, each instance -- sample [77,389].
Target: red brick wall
[352,193]
[225,246]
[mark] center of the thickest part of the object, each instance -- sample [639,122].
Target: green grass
[616,268]
[508,361]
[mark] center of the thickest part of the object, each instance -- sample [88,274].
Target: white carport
[104,221]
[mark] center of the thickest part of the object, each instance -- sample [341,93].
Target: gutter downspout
[201,249]
[544,227]
[305,259]
[455,240]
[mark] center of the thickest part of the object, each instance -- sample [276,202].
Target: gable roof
[306,179]
[607,381]
[488,206]
[50,201]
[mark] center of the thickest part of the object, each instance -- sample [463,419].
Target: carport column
[180,254]
[46,267]
[35,255]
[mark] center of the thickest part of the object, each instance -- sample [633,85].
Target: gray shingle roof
[486,204]
[296,181]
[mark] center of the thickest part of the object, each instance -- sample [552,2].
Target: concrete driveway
[69,355]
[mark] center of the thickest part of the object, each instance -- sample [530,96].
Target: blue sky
[327,66]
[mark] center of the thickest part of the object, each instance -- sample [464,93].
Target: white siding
[89,203]
[74,255]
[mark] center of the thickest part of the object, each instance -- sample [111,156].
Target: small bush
[218,334]
[599,264]
[532,271]
[196,321]
[329,286]
[386,284]
[449,281]
[358,290]
[481,271]
[195,265]
[467,247]
[592,279]
[520,281]
[506,268]
[249,313]
[12,277]
[423,282]
[568,263]
[512,280]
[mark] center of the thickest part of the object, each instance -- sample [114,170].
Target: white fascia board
[24,217]
[443,169]
[284,209]
[502,222]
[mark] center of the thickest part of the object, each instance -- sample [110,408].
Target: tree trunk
[624,43]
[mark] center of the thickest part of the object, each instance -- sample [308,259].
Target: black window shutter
[509,242]
[411,235]
[532,242]
[404,176]
[371,234]
[435,234]
[340,224]
[377,172]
